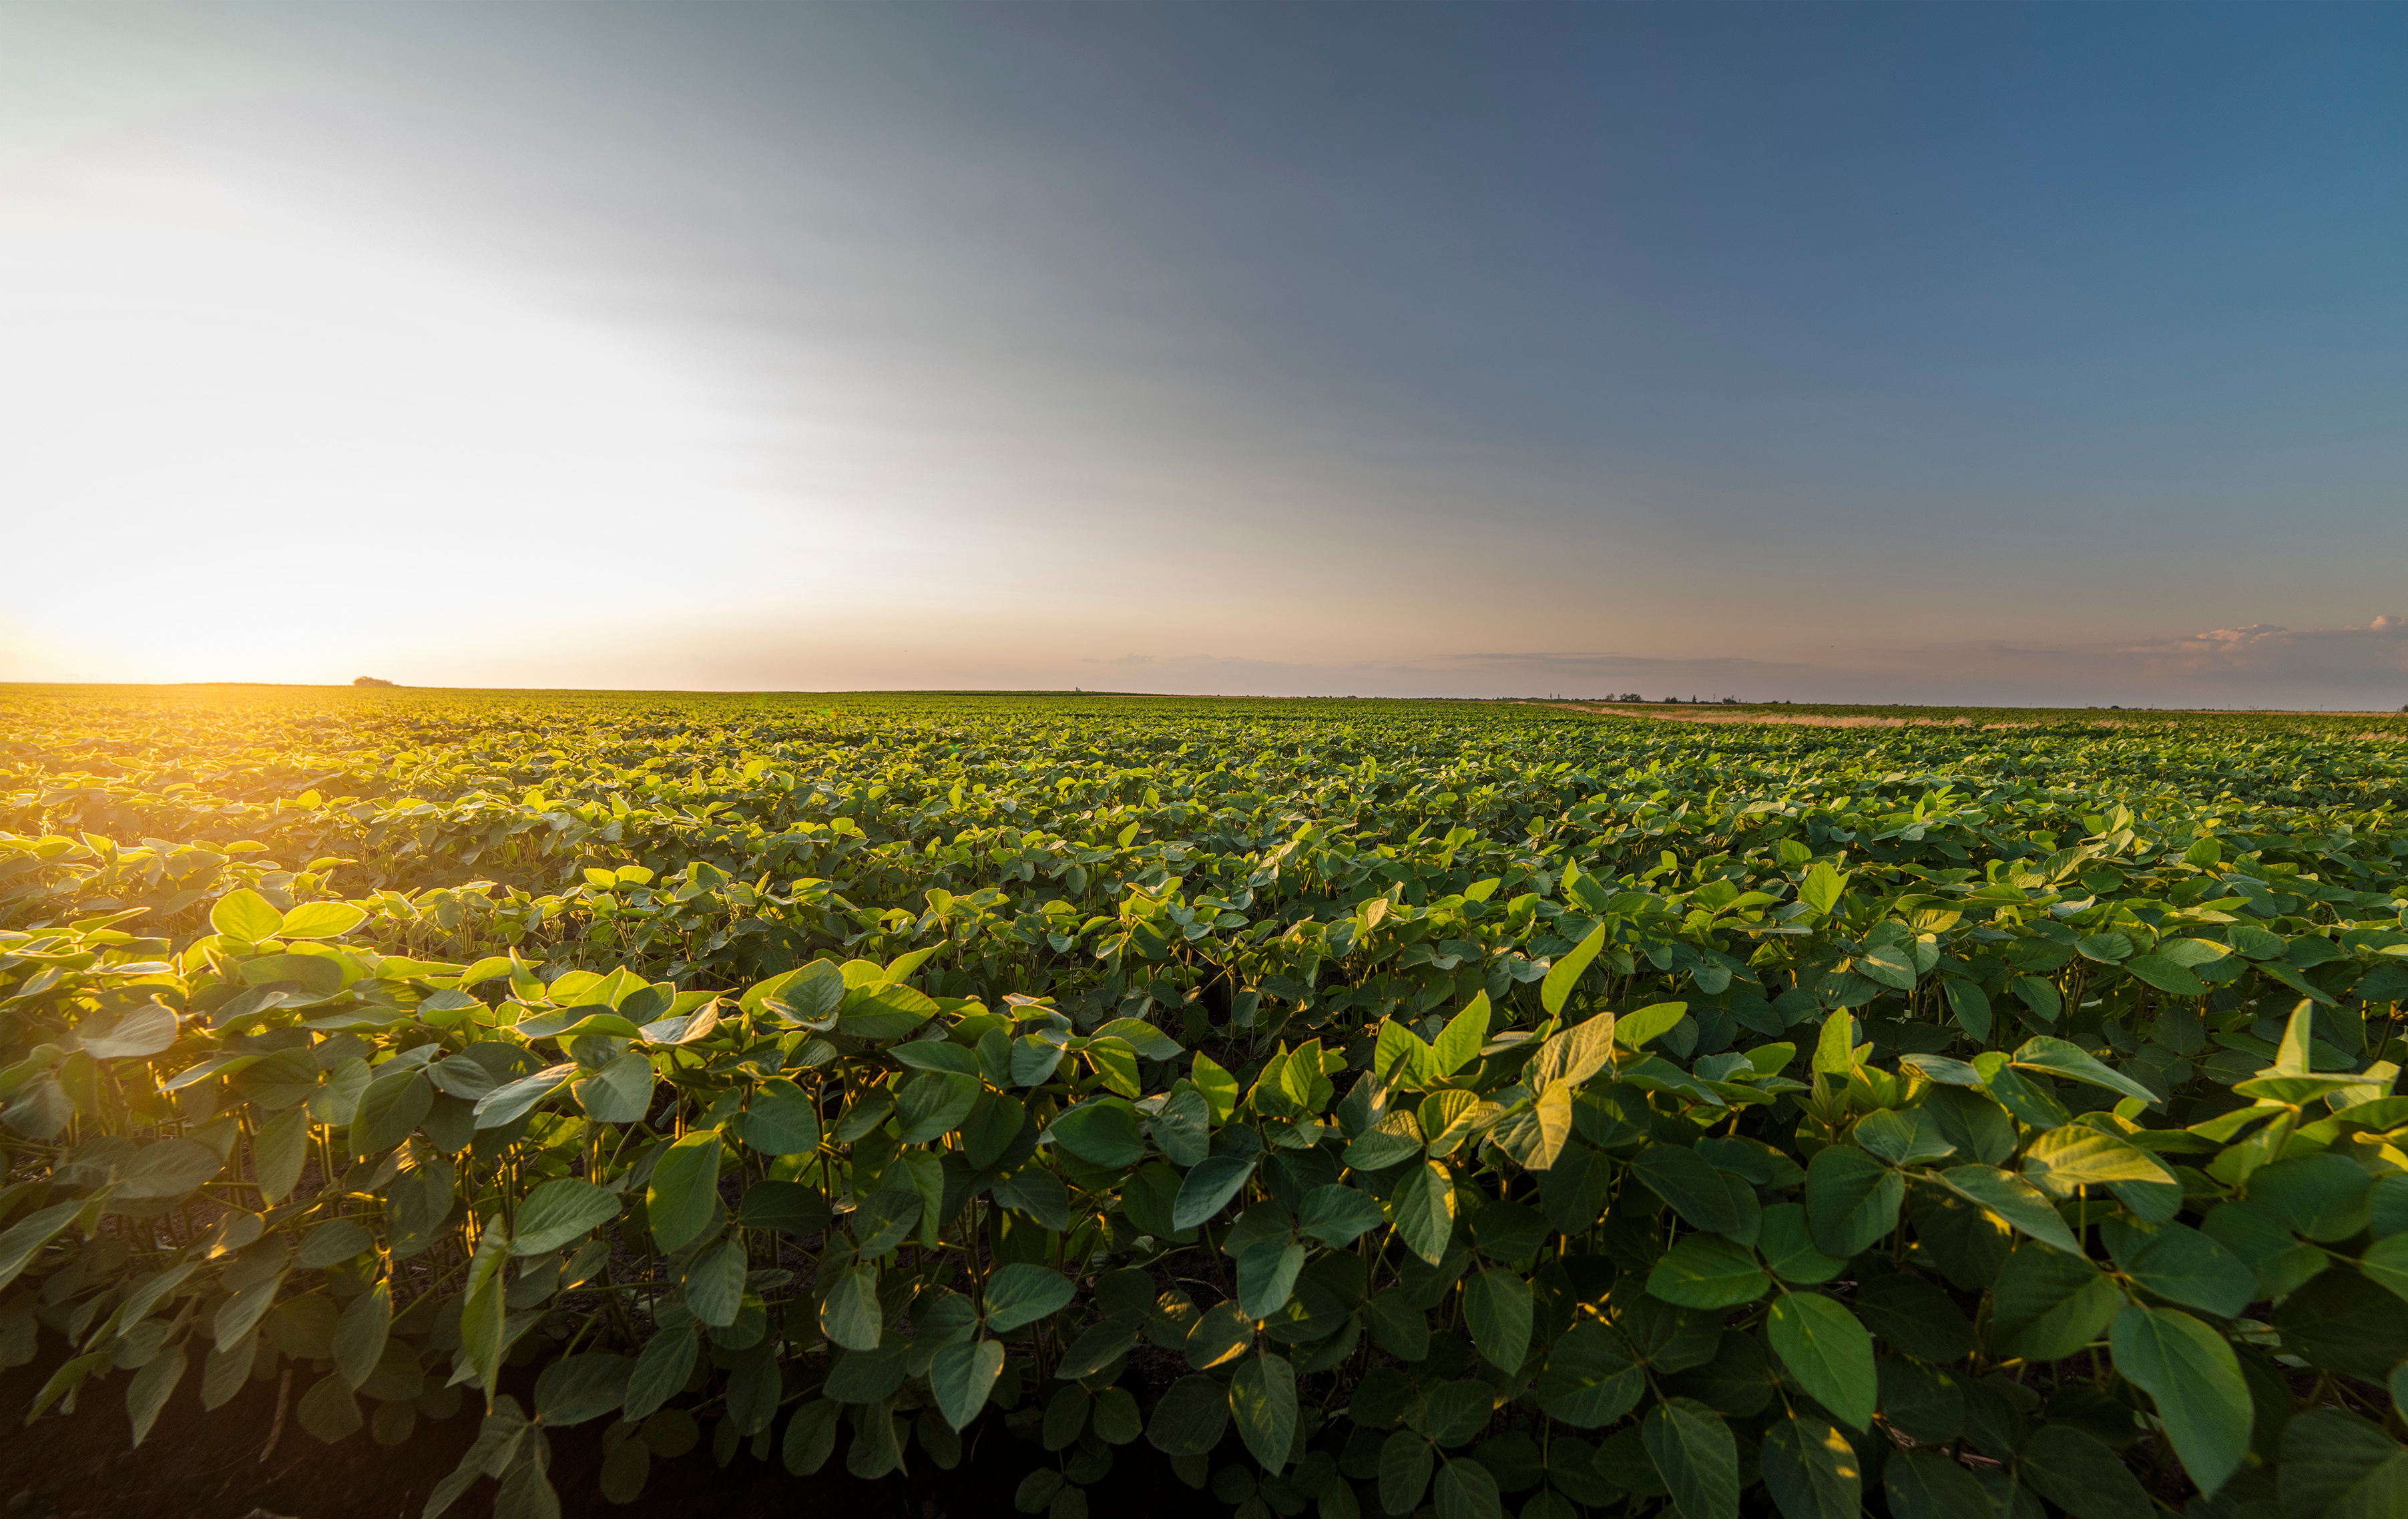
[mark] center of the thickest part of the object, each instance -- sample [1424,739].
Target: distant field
[2391,723]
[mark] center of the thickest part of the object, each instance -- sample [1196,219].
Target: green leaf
[2025,1099]
[618,1093]
[2337,1467]
[246,915]
[864,1377]
[1458,1043]
[1036,1193]
[684,1190]
[1021,1292]
[1267,1275]
[2322,1196]
[1467,1490]
[1690,1183]
[151,1386]
[2016,1200]
[1820,887]
[336,1240]
[1207,1189]
[1706,1271]
[328,1411]
[1829,1352]
[1456,1410]
[1422,1208]
[624,1470]
[508,1103]
[661,1370]
[1852,1200]
[850,1314]
[361,1332]
[1590,1379]
[1566,972]
[1915,1316]
[1405,1463]
[1115,1419]
[2385,1264]
[2178,1262]
[1337,1215]
[2166,975]
[1147,1196]
[559,1211]
[1097,1347]
[1102,1131]
[2109,947]
[314,920]
[810,1437]
[144,1031]
[1811,1471]
[2342,1322]
[935,1102]
[1497,1308]
[162,1168]
[576,1388]
[484,1309]
[2078,1473]
[1635,1029]
[498,1438]
[1219,1088]
[2047,1304]
[2062,1057]
[1183,1128]
[1903,1138]
[1925,1484]
[1573,1054]
[389,1110]
[996,1122]
[1262,1401]
[715,1284]
[2063,1161]
[1695,1453]
[1190,1417]
[1788,1248]
[885,1218]
[1972,1007]
[1888,965]
[961,1376]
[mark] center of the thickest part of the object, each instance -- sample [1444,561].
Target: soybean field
[1353,1107]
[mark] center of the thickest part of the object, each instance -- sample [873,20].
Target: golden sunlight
[256,431]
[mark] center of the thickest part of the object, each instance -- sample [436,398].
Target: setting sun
[258,431]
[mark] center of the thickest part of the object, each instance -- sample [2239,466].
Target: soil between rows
[205,1465]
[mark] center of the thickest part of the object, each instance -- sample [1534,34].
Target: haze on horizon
[1965,354]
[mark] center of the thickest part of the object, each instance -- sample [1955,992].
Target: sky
[1879,353]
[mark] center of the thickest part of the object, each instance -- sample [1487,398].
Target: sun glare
[274,444]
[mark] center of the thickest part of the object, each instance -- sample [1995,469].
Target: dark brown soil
[200,1464]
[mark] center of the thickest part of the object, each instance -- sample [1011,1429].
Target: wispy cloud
[1473,674]
[1613,667]
[2260,649]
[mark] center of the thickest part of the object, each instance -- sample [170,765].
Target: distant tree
[369,680]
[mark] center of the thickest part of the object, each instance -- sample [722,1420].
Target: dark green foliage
[1575,1112]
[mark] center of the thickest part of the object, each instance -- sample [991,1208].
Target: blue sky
[1928,353]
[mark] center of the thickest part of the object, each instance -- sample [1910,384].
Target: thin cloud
[1493,674]
[2258,649]
[1631,666]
